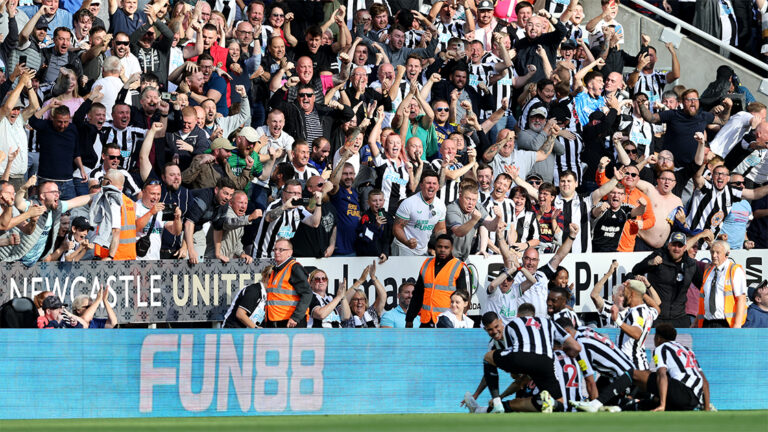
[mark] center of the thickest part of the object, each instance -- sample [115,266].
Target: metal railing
[709,38]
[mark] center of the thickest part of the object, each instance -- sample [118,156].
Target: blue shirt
[35,253]
[584,104]
[61,18]
[756,317]
[395,318]
[735,224]
[348,216]
[220,85]
[119,22]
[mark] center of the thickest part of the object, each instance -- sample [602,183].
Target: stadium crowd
[232,131]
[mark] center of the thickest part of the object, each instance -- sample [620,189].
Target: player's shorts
[539,367]
[679,396]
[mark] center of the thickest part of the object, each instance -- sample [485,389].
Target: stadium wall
[186,373]
[169,291]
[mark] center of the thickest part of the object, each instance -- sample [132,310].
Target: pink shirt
[505,9]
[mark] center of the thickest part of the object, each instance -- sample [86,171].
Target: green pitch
[756,421]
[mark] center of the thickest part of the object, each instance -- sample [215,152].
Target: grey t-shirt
[462,246]
[56,63]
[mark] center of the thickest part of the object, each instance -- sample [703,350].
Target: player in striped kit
[556,306]
[573,383]
[636,321]
[606,359]
[679,383]
[530,351]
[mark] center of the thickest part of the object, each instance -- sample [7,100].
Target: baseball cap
[678,237]
[222,143]
[41,24]
[52,302]
[636,285]
[249,133]
[539,111]
[82,223]
[533,176]
[485,5]
[570,44]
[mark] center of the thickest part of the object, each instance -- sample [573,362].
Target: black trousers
[284,324]
[617,388]
[679,397]
[718,323]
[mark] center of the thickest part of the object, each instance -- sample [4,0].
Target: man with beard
[40,243]
[207,205]
[93,58]
[152,51]
[535,38]
[545,94]
[395,50]
[173,194]
[395,317]
[206,170]
[671,271]
[458,80]
[304,75]
[32,38]
[121,50]
[418,218]
[439,277]
[225,238]
[629,176]
[536,135]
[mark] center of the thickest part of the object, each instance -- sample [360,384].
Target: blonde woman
[363,314]
[326,311]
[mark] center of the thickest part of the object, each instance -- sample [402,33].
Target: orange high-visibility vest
[281,297]
[438,287]
[126,249]
[730,300]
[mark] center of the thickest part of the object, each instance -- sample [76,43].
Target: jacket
[372,239]
[296,120]
[671,280]
[205,175]
[756,317]
[73,60]
[161,48]
[101,213]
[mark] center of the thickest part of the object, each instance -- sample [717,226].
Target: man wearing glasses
[111,158]
[288,290]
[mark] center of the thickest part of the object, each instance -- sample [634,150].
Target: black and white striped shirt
[569,314]
[450,190]
[314,128]
[303,176]
[392,179]
[129,140]
[534,335]
[710,206]
[681,365]
[130,188]
[571,159]
[603,355]
[455,28]
[576,210]
[556,7]
[504,88]
[507,207]
[526,225]
[652,85]
[568,372]
[333,320]
[641,316]
[284,226]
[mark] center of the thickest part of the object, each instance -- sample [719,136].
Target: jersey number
[532,323]
[572,373]
[603,339]
[690,359]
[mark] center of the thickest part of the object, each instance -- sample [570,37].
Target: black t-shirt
[204,208]
[312,242]
[321,61]
[680,130]
[247,299]
[608,229]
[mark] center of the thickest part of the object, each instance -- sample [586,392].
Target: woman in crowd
[456,317]
[326,311]
[363,315]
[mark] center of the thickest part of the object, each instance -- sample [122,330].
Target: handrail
[701,34]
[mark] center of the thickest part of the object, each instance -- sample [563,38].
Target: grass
[572,422]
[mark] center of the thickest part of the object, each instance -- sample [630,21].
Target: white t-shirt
[157,231]
[422,218]
[13,136]
[354,160]
[536,294]
[110,87]
[284,141]
[504,304]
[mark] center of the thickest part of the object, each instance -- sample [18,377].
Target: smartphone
[165,96]
[23,59]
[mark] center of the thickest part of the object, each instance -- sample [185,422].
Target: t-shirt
[522,159]
[422,218]
[735,224]
[680,130]
[454,216]
[250,300]
[157,230]
[36,251]
[348,213]
[504,304]
[220,85]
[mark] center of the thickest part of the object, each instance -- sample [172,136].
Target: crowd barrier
[183,373]
[174,291]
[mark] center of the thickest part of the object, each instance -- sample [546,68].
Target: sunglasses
[113,157]
[123,43]
[153,182]
[534,182]
[305,95]
[446,109]
[634,151]
[632,174]
[736,183]
[320,279]
[278,15]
